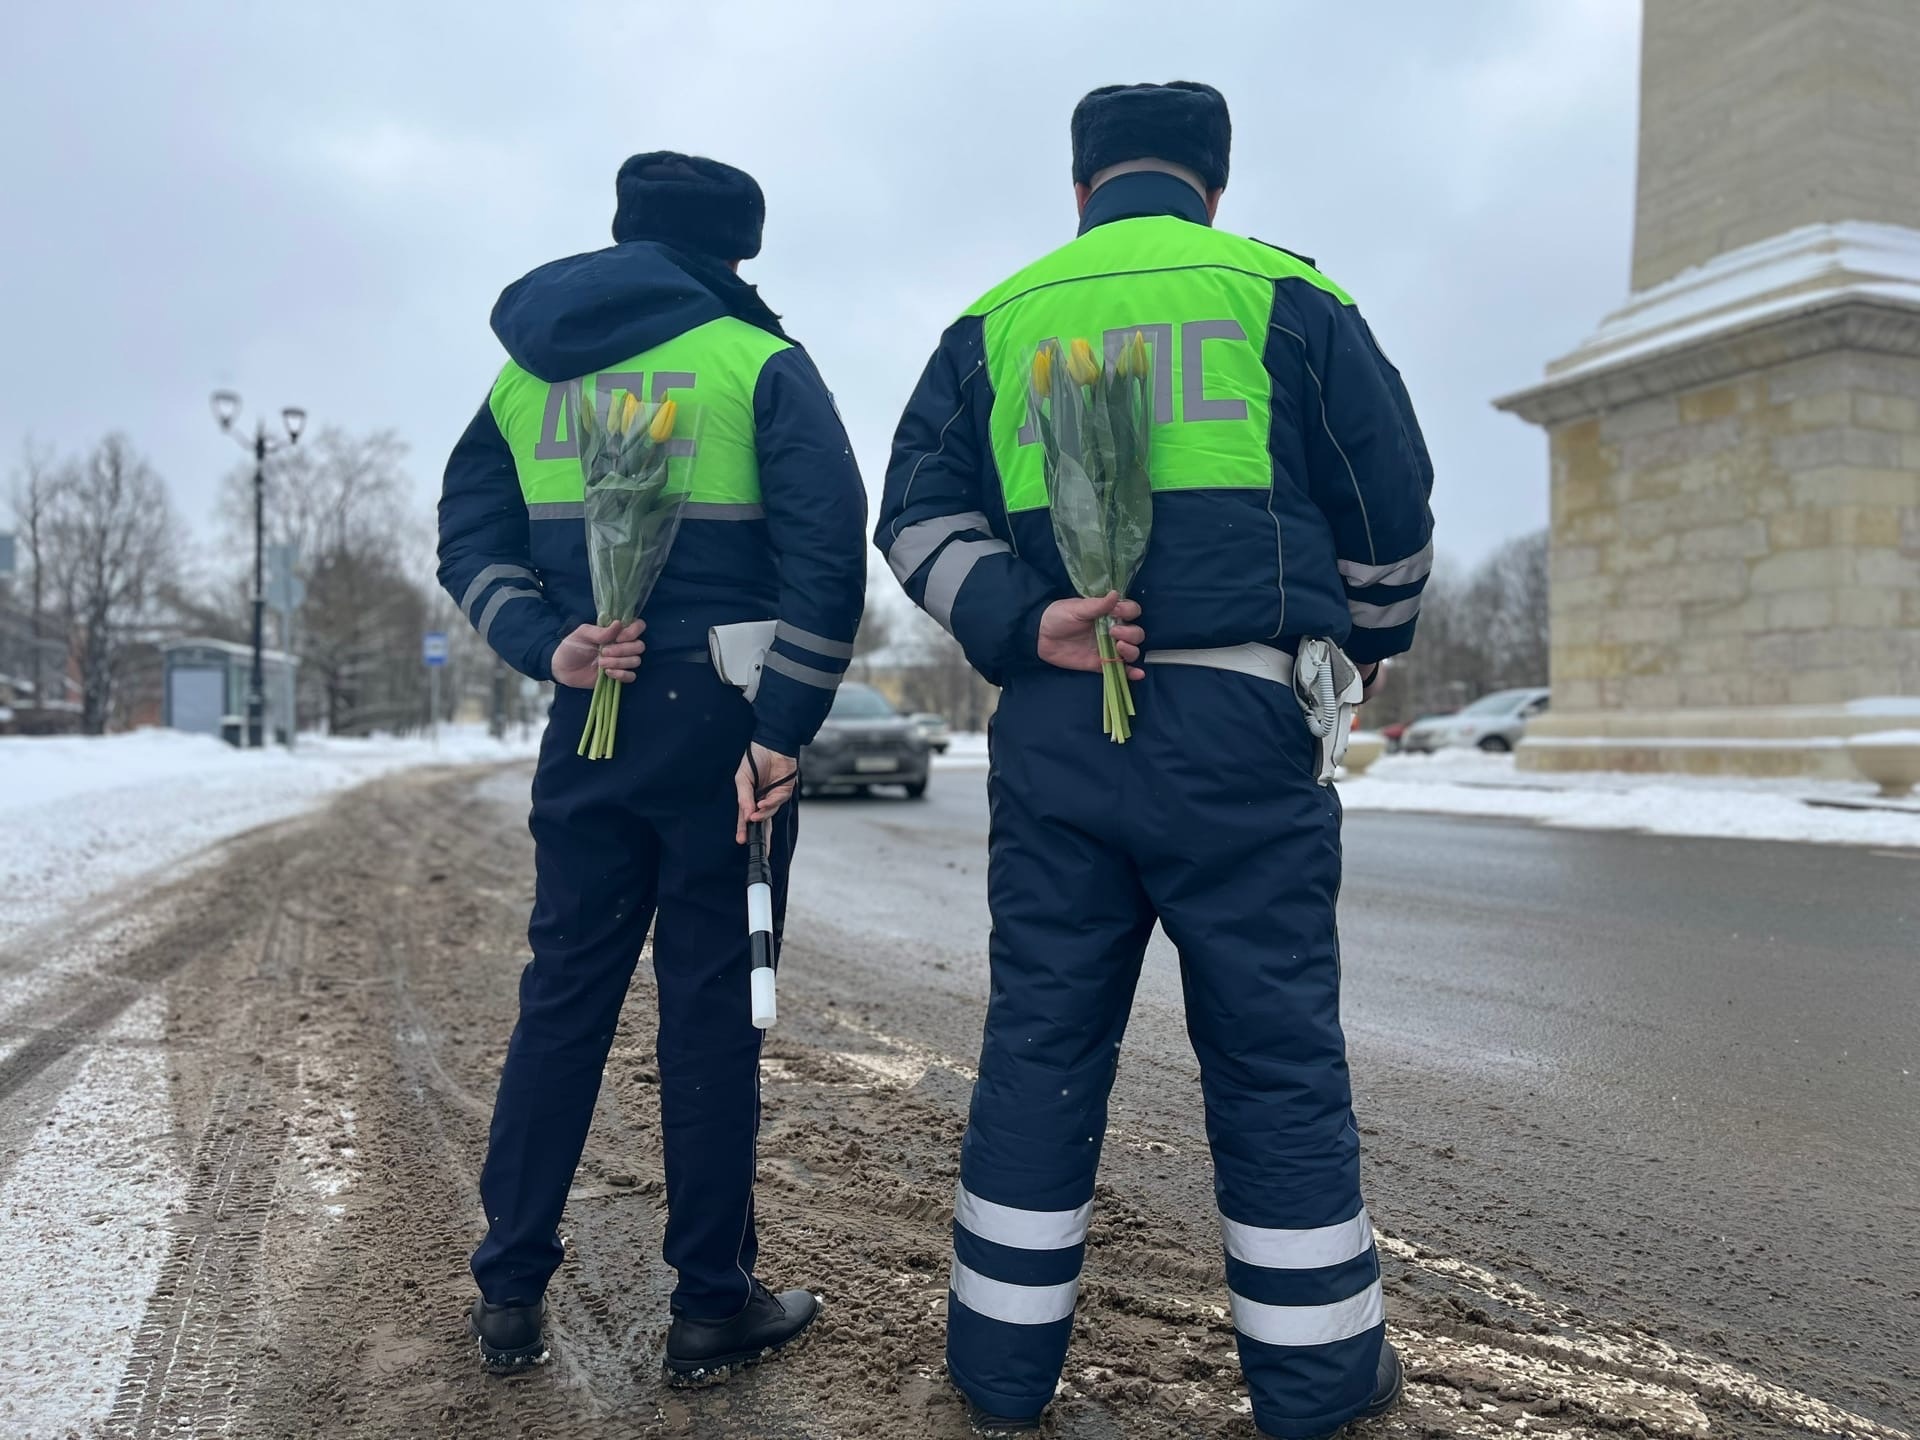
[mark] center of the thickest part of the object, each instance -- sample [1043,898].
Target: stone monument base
[1763,741]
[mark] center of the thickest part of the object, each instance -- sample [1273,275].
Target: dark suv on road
[863,744]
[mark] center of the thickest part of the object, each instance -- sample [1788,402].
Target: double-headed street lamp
[226,409]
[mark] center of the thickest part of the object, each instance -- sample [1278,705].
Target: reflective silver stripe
[1298,1249]
[501,597]
[805,674]
[1263,662]
[913,545]
[710,510]
[1308,1324]
[1400,572]
[950,572]
[1379,617]
[558,510]
[807,640]
[1014,1304]
[486,577]
[1021,1229]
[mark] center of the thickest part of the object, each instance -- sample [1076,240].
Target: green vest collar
[1141,193]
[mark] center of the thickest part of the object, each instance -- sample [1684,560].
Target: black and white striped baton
[760,922]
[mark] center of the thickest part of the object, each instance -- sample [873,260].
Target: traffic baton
[760,923]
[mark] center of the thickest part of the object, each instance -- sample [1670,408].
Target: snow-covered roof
[1813,265]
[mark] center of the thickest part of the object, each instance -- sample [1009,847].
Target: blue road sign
[433,648]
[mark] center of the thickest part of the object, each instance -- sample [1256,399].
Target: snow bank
[80,816]
[1468,782]
[967,751]
[1898,738]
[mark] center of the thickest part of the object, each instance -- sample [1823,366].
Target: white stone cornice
[1818,288]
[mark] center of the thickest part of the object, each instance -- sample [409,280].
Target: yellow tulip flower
[1043,371]
[627,412]
[1082,364]
[1141,363]
[662,427]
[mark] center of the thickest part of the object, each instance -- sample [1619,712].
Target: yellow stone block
[1886,412]
[1790,570]
[1713,404]
[1800,610]
[1870,609]
[1866,525]
[1810,412]
[1799,529]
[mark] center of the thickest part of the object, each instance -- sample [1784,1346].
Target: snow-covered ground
[1467,782]
[80,817]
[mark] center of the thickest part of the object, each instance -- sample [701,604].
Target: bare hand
[1067,634]
[1372,677]
[591,649]
[777,774]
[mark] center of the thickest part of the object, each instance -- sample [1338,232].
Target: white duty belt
[1325,682]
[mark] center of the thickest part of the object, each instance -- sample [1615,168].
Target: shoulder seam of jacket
[1155,270]
[1366,522]
[906,495]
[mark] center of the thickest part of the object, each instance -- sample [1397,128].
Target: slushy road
[1666,1091]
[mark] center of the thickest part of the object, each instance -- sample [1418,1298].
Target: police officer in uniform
[1290,503]
[774,528]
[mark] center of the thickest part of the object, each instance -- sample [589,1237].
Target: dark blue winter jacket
[788,544]
[1290,478]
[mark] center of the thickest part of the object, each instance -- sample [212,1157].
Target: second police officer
[774,528]
[1290,504]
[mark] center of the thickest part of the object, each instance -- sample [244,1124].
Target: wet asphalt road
[1671,1084]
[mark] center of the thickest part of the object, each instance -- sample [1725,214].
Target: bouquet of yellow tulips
[1095,422]
[633,506]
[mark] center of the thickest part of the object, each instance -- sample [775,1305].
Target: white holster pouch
[739,653]
[1328,686]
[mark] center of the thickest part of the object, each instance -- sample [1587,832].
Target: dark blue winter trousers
[1209,822]
[642,839]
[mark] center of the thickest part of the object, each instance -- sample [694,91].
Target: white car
[1493,722]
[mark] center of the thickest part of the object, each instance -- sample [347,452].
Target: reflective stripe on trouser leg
[1245,881]
[1069,928]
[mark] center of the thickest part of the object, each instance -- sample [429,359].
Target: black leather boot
[992,1426]
[512,1337]
[700,1350]
[1388,1381]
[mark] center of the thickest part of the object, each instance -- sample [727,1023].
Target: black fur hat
[1182,121]
[689,201]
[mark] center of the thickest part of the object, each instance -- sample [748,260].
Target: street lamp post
[226,410]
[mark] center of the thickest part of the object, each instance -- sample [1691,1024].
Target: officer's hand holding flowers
[1069,635]
[593,650]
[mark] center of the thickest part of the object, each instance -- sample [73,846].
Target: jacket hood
[574,316]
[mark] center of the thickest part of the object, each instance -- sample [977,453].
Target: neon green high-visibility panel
[711,371]
[1202,298]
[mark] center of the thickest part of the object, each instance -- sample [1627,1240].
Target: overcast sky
[317,204]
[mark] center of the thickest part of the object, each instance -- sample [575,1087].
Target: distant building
[1736,450]
[29,663]
[204,689]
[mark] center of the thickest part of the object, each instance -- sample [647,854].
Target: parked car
[1395,733]
[933,730]
[865,743]
[1493,722]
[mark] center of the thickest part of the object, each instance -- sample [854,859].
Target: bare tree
[877,631]
[335,492]
[35,492]
[1508,603]
[1479,632]
[110,545]
[340,501]
[935,675]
